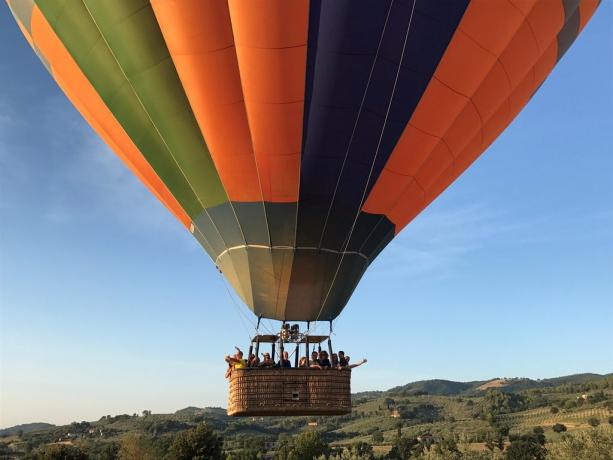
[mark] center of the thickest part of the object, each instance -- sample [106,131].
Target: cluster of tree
[594,444]
[117,418]
[421,413]
[199,443]
[79,427]
[157,427]
[306,445]
[497,402]
[569,388]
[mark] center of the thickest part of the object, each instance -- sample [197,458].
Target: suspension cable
[348,239]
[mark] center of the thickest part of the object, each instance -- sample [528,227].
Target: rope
[355,125]
[241,315]
[348,239]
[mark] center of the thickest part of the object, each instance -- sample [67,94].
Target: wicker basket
[289,392]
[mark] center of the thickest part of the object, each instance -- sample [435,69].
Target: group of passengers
[319,360]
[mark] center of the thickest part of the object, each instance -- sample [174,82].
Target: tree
[495,440]
[200,443]
[60,452]
[525,449]
[146,413]
[497,402]
[554,410]
[403,447]
[559,428]
[308,445]
[377,436]
[539,435]
[593,421]
[611,420]
[135,447]
[502,429]
[362,450]
[571,403]
[529,446]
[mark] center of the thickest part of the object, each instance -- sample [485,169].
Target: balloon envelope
[295,139]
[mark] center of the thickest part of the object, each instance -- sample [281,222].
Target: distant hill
[440,387]
[433,387]
[191,410]
[519,384]
[25,428]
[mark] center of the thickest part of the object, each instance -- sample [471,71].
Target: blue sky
[107,305]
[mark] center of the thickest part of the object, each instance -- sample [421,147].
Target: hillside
[440,409]
[434,387]
[451,388]
[25,428]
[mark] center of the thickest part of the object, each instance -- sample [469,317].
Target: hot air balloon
[293,138]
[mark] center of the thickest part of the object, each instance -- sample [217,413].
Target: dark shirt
[342,362]
[284,363]
[325,363]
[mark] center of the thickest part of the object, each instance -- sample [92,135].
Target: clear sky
[107,305]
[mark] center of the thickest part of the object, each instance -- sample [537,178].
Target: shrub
[377,437]
[593,421]
[525,449]
[308,445]
[60,452]
[559,428]
[135,447]
[199,443]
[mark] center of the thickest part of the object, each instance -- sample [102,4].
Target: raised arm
[351,366]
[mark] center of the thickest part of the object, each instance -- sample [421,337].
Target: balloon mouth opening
[293,284]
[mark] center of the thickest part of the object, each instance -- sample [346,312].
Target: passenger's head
[314,354]
[302,362]
[341,354]
[285,355]
[347,358]
[324,354]
[334,358]
[266,356]
[239,354]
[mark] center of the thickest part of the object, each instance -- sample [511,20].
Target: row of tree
[202,443]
